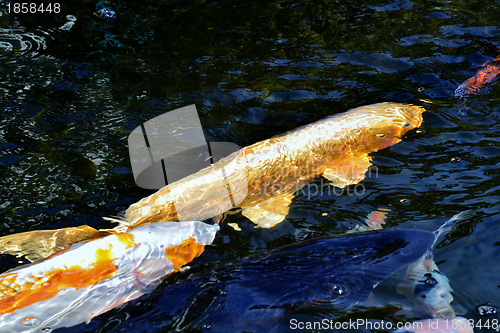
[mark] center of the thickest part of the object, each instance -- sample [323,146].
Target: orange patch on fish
[27,319]
[55,281]
[183,253]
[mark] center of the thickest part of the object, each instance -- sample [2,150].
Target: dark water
[73,85]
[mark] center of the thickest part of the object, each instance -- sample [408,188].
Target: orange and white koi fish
[425,285]
[273,170]
[453,325]
[90,278]
[476,84]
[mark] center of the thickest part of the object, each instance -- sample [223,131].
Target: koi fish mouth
[390,123]
[412,115]
[380,138]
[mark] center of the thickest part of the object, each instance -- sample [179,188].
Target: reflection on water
[74,85]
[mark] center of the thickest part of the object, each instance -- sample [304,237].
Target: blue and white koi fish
[425,285]
[430,291]
[90,278]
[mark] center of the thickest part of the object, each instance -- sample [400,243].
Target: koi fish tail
[40,244]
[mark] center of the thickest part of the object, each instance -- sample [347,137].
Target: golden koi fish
[273,170]
[85,280]
[267,174]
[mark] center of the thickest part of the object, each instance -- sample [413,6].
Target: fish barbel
[90,278]
[271,171]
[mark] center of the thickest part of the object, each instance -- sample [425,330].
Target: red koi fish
[90,278]
[476,84]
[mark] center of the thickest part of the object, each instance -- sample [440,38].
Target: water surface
[74,84]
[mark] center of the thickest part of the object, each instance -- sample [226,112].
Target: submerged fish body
[262,178]
[260,293]
[90,278]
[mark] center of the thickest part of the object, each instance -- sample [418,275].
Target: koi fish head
[386,123]
[428,288]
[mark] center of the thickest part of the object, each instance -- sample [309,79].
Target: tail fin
[40,244]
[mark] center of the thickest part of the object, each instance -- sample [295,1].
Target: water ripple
[18,40]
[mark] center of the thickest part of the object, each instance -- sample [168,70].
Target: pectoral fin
[268,213]
[348,170]
[39,244]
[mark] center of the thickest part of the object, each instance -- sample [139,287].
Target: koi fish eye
[406,125]
[339,290]
[430,281]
